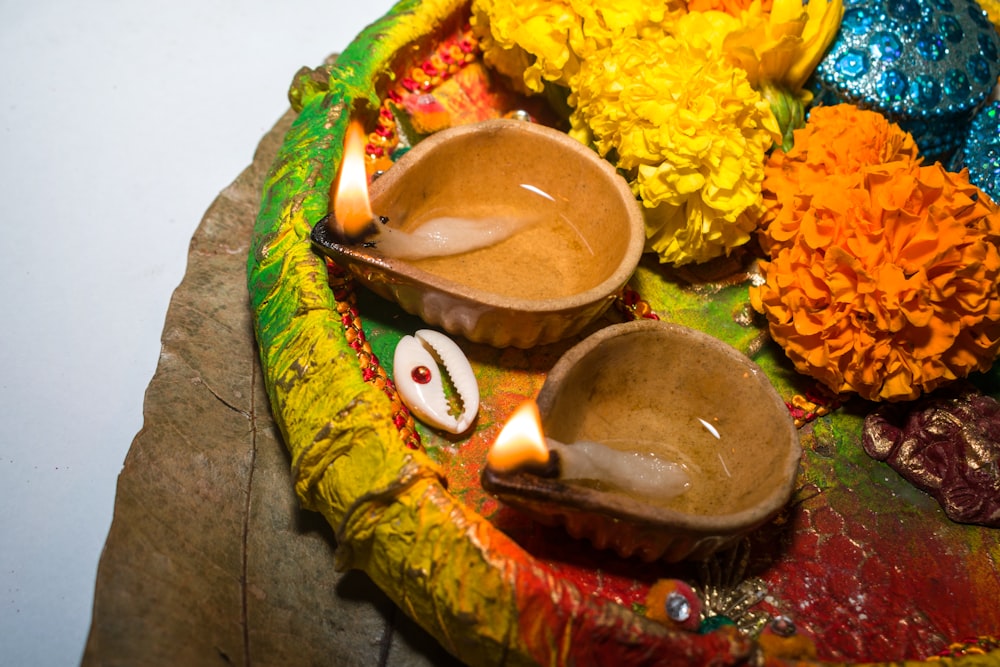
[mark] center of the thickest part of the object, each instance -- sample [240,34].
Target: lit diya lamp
[505,232]
[651,439]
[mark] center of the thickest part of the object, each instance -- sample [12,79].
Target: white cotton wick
[444,236]
[641,474]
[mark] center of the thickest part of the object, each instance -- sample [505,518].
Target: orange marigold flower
[834,145]
[889,285]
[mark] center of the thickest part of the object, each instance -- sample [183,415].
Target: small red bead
[421,374]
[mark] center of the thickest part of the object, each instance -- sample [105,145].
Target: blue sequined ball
[926,64]
[980,151]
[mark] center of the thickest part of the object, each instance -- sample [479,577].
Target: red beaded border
[371,370]
[448,59]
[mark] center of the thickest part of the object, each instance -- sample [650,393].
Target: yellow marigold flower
[822,26]
[691,135]
[709,30]
[546,40]
[777,49]
[527,40]
[888,285]
[780,47]
[603,21]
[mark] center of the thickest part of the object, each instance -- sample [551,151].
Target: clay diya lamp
[661,442]
[505,232]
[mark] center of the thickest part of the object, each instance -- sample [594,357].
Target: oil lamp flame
[521,442]
[351,207]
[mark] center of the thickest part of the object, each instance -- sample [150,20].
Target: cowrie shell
[420,382]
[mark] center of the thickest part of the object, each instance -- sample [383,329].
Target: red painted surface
[867,566]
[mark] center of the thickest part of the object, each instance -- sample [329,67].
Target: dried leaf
[209,559]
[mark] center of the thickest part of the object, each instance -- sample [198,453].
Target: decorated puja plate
[854,277]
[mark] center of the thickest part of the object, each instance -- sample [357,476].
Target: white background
[120,122]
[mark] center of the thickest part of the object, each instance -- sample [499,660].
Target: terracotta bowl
[536,287]
[691,399]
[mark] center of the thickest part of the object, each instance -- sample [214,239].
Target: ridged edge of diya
[587,516]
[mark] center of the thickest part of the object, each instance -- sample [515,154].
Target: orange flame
[520,442]
[351,208]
